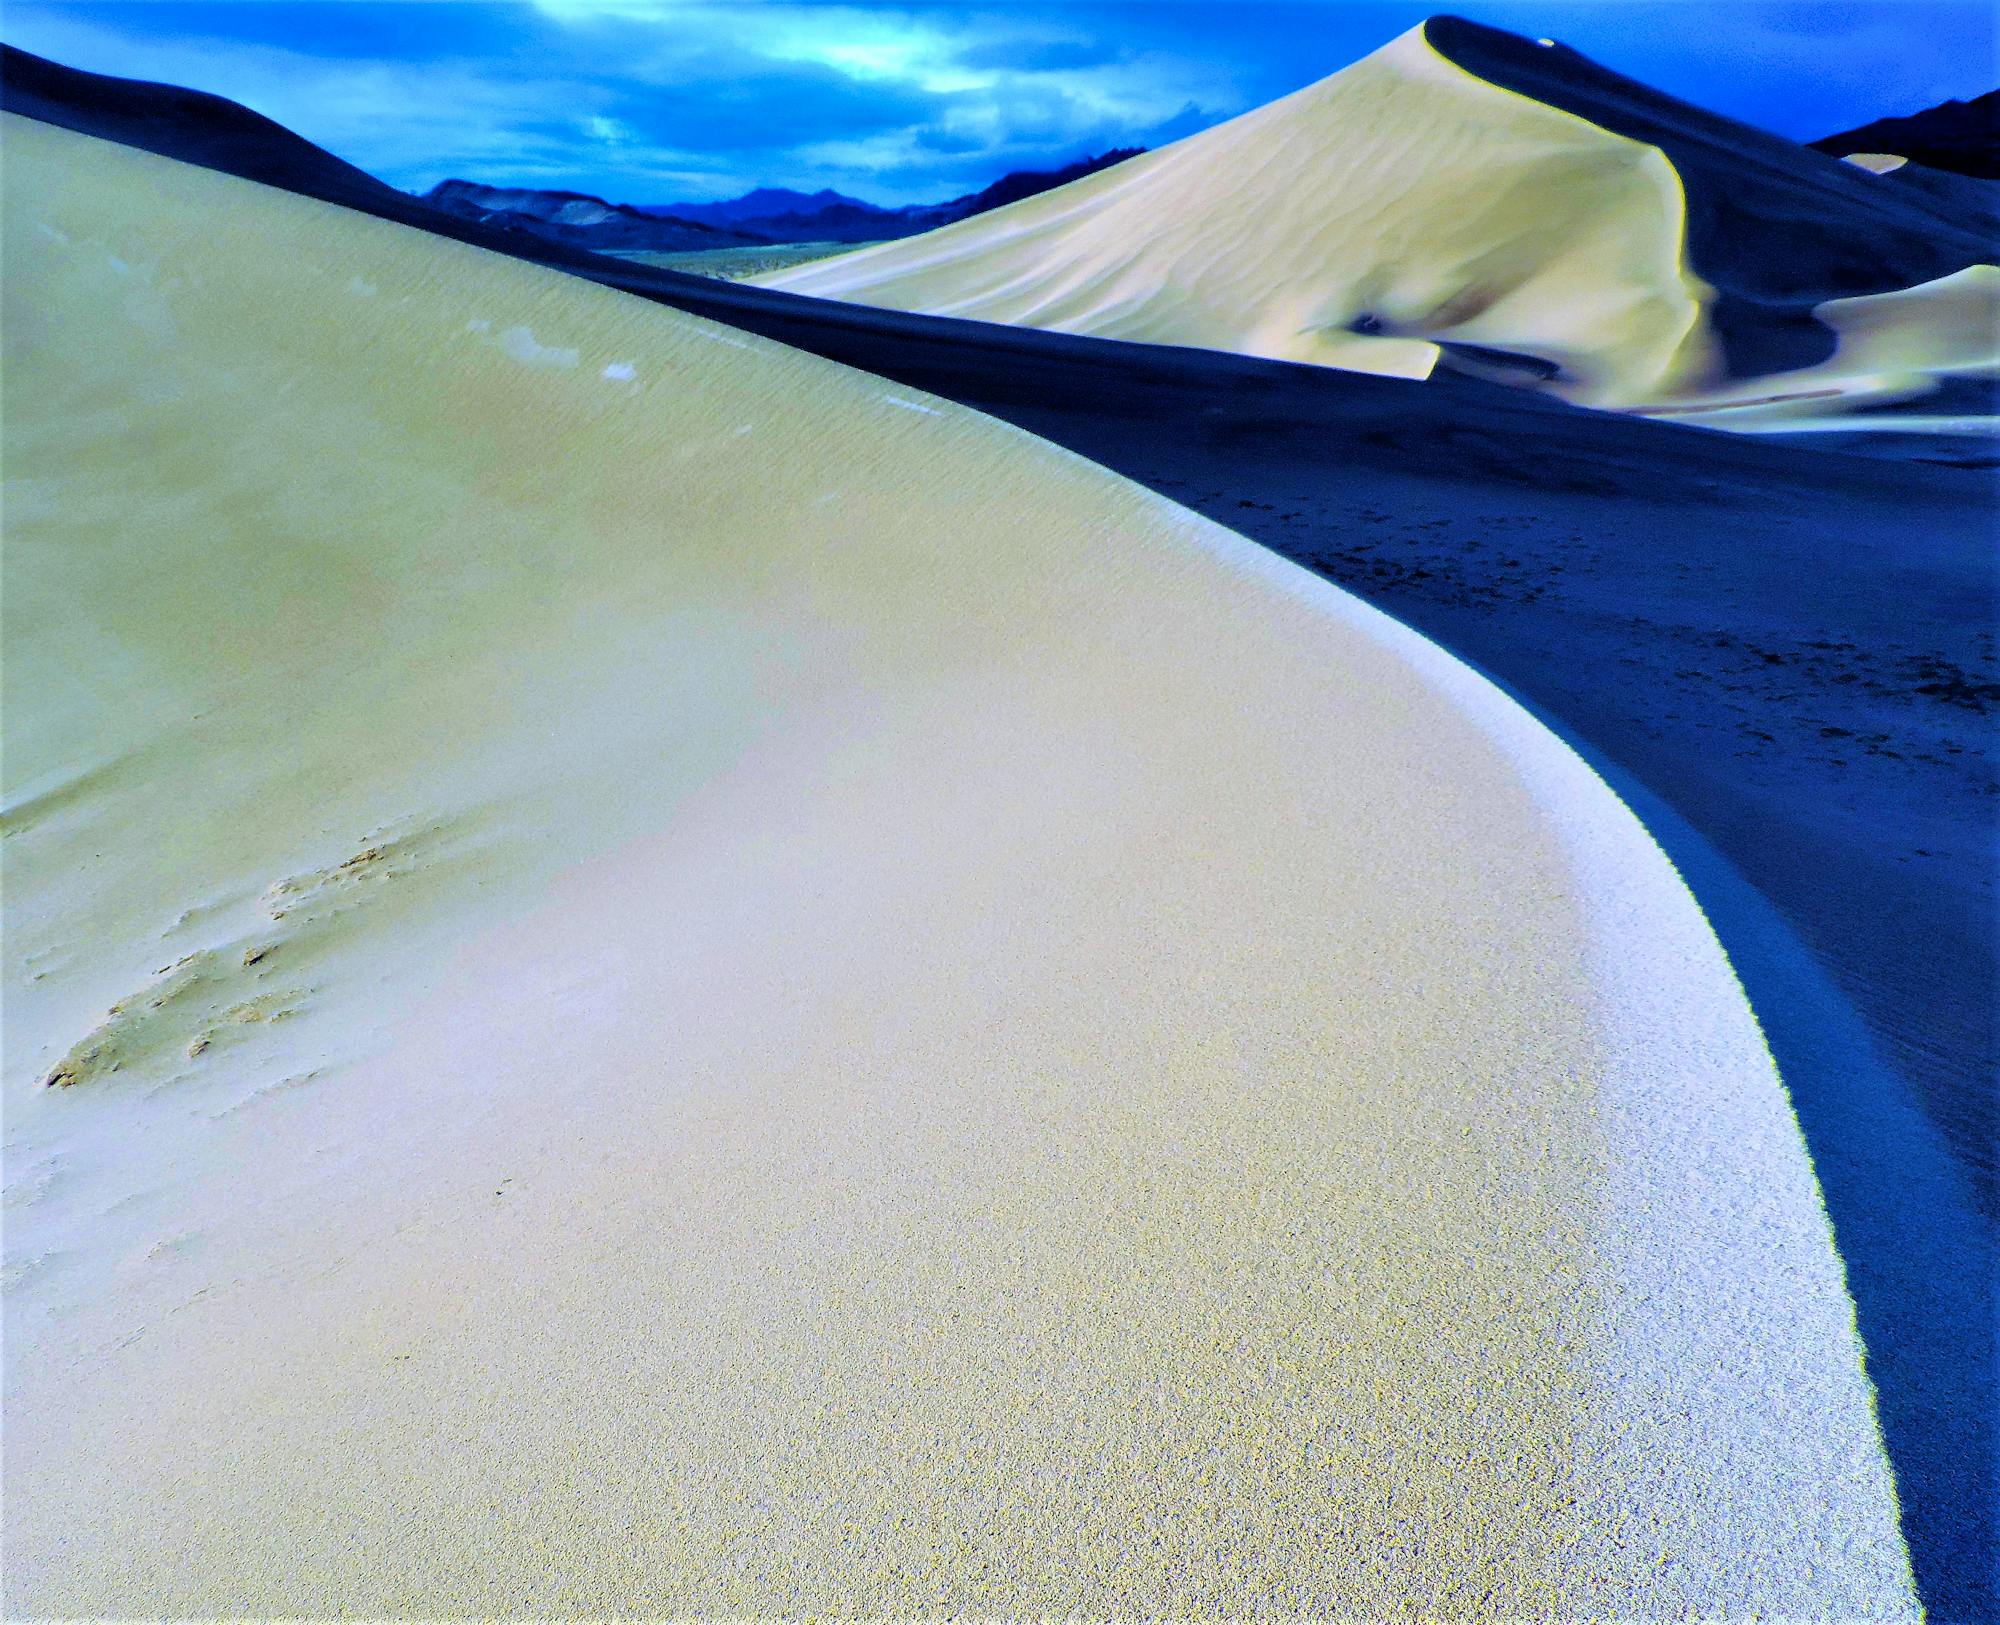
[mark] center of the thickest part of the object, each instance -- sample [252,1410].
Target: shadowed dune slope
[1507,206]
[684,980]
[190,125]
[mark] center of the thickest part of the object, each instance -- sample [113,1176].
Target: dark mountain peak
[783,214]
[765,203]
[1961,138]
[581,218]
[1020,183]
[765,196]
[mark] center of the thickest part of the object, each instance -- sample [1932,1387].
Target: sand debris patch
[185,1008]
[318,893]
[521,344]
[209,994]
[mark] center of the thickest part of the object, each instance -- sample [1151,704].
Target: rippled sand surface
[1416,210]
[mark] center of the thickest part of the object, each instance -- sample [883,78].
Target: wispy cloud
[651,100]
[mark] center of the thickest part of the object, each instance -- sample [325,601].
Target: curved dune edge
[811,1002]
[1409,198]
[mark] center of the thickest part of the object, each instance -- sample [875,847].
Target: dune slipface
[1463,198]
[646,975]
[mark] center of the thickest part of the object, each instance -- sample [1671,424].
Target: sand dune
[1464,198]
[1318,464]
[1893,347]
[1353,223]
[679,979]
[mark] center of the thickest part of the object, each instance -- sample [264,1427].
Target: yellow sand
[687,982]
[1404,195]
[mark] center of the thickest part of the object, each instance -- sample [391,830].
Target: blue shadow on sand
[1920,1258]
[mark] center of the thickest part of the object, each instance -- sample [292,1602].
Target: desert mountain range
[763,215]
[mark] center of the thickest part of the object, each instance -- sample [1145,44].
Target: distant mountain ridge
[1011,188]
[1962,138]
[763,203]
[579,218]
[766,214]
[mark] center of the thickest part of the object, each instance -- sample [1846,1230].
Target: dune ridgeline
[645,974]
[1466,198]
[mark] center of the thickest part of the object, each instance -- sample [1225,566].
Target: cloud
[659,100]
[1189,120]
[643,101]
[1039,55]
[935,138]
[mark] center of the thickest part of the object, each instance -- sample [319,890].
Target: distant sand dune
[860,1015]
[1439,199]
[1352,223]
[1893,347]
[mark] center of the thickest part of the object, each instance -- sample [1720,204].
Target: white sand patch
[1876,163]
[521,344]
[1946,326]
[988,1049]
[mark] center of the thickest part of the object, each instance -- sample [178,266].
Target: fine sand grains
[878,1020]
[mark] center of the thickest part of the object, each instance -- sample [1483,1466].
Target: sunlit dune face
[1354,223]
[646,975]
[1402,205]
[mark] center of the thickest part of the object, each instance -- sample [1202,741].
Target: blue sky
[652,101]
